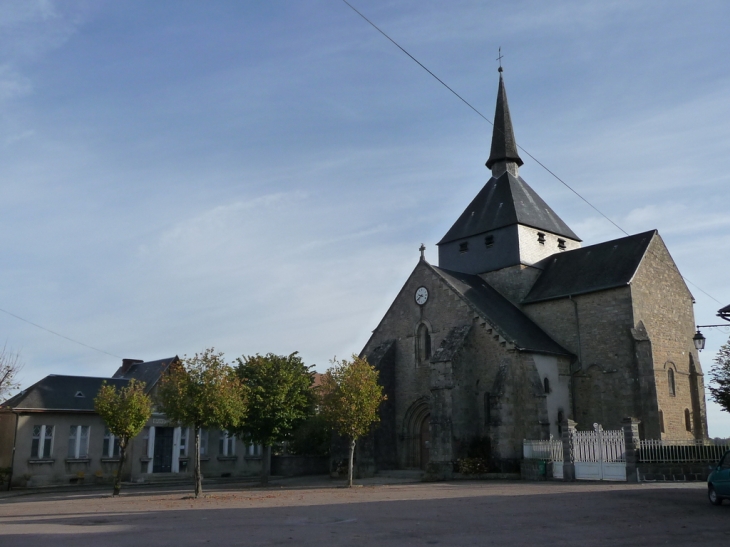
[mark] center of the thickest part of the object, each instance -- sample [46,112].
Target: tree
[279,399]
[202,392]
[125,411]
[10,366]
[720,376]
[350,400]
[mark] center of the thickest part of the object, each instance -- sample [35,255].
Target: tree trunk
[265,459]
[350,465]
[122,457]
[196,465]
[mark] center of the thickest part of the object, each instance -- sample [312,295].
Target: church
[520,327]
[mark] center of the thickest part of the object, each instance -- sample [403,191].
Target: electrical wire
[467,103]
[60,335]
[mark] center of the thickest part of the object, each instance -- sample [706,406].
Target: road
[313,512]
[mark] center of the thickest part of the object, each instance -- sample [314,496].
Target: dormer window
[561,244]
[541,238]
[463,247]
[489,241]
[79,395]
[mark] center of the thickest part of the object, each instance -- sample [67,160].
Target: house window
[254,450]
[78,442]
[489,241]
[546,385]
[561,244]
[670,381]
[42,443]
[661,421]
[227,444]
[687,420]
[463,246]
[183,442]
[203,442]
[110,447]
[541,238]
[146,443]
[423,343]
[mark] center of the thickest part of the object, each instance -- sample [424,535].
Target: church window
[561,244]
[489,241]
[487,412]
[546,385]
[561,417]
[661,421]
[541,238]
[423,348]
[463,246]
[670,381]
[687,420]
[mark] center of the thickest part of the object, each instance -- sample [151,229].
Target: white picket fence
[683,451]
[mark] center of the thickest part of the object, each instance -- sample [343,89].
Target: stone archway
[417,434]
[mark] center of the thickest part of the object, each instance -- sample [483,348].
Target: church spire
[504,156]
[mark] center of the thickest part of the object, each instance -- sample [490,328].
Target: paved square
[314,512]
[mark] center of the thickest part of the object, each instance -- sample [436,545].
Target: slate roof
[505,201]
[504,145]
[511,323]
[589,269]
[148,372]
[56,392]
[724,312]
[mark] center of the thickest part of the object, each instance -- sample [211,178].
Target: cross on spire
[500,59]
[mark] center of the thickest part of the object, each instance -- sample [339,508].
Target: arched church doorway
[417,435]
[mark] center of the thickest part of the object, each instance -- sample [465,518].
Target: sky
[258,176]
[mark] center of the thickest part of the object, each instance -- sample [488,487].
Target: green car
[718,483]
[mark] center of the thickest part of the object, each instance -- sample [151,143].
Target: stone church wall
[596,327]
[662,302]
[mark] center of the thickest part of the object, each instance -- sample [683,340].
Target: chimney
[127,364]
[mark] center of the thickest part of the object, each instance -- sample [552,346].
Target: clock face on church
[421,295]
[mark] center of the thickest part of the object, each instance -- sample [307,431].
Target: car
[718,483]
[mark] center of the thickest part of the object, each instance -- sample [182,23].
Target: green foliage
[313,437]
[351,396]
[125,411]
[472,466]
[279,396]
[5,473]
[720,377]
[202,391]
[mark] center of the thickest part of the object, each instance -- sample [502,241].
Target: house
[49,433]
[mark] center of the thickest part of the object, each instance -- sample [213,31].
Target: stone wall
[296,466]
[663,303]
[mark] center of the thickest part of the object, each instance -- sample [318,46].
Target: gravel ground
[382,512]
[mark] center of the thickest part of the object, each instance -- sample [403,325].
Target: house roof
[57,392]
[511,323]
[590,269]
[148,372]
[724,312]
[505,201]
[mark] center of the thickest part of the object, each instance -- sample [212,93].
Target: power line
[60,335]
[467,103]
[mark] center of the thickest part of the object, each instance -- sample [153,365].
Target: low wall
[673,471]
[295,466]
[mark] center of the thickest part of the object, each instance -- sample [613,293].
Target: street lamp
[699,339]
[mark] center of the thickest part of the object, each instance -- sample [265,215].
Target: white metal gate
[599,455]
